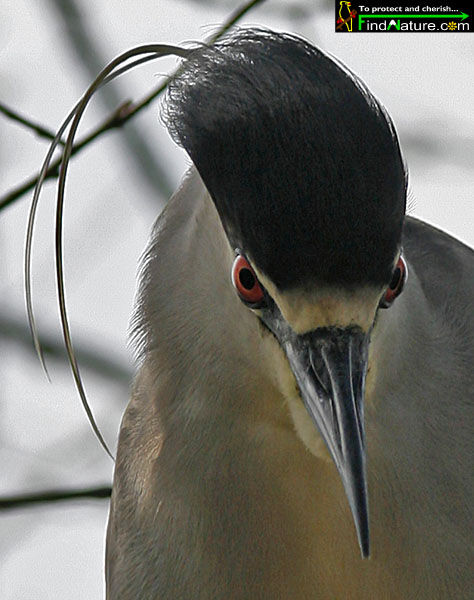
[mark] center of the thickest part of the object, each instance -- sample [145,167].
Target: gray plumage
[215,496]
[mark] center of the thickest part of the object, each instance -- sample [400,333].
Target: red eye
[245,281]
[396,285]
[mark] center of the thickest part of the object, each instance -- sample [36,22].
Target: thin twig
[233,19]
[139,149]
[116,119]
[119,117]
[36,127]
[22,500]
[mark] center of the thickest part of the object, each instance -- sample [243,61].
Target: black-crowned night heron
[286,381]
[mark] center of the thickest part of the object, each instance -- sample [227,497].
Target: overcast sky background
[424,80]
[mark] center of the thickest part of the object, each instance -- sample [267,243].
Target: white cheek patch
[306,429]
[307,310]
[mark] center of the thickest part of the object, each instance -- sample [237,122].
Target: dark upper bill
[330,366]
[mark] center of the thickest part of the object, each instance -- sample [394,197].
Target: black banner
[393,17]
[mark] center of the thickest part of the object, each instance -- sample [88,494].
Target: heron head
[305,170]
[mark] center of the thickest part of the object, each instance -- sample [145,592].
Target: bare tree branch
[234,19]
[138,148]
[120,116]
[116,119]
[16,332]
[36,127]
[22,500]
